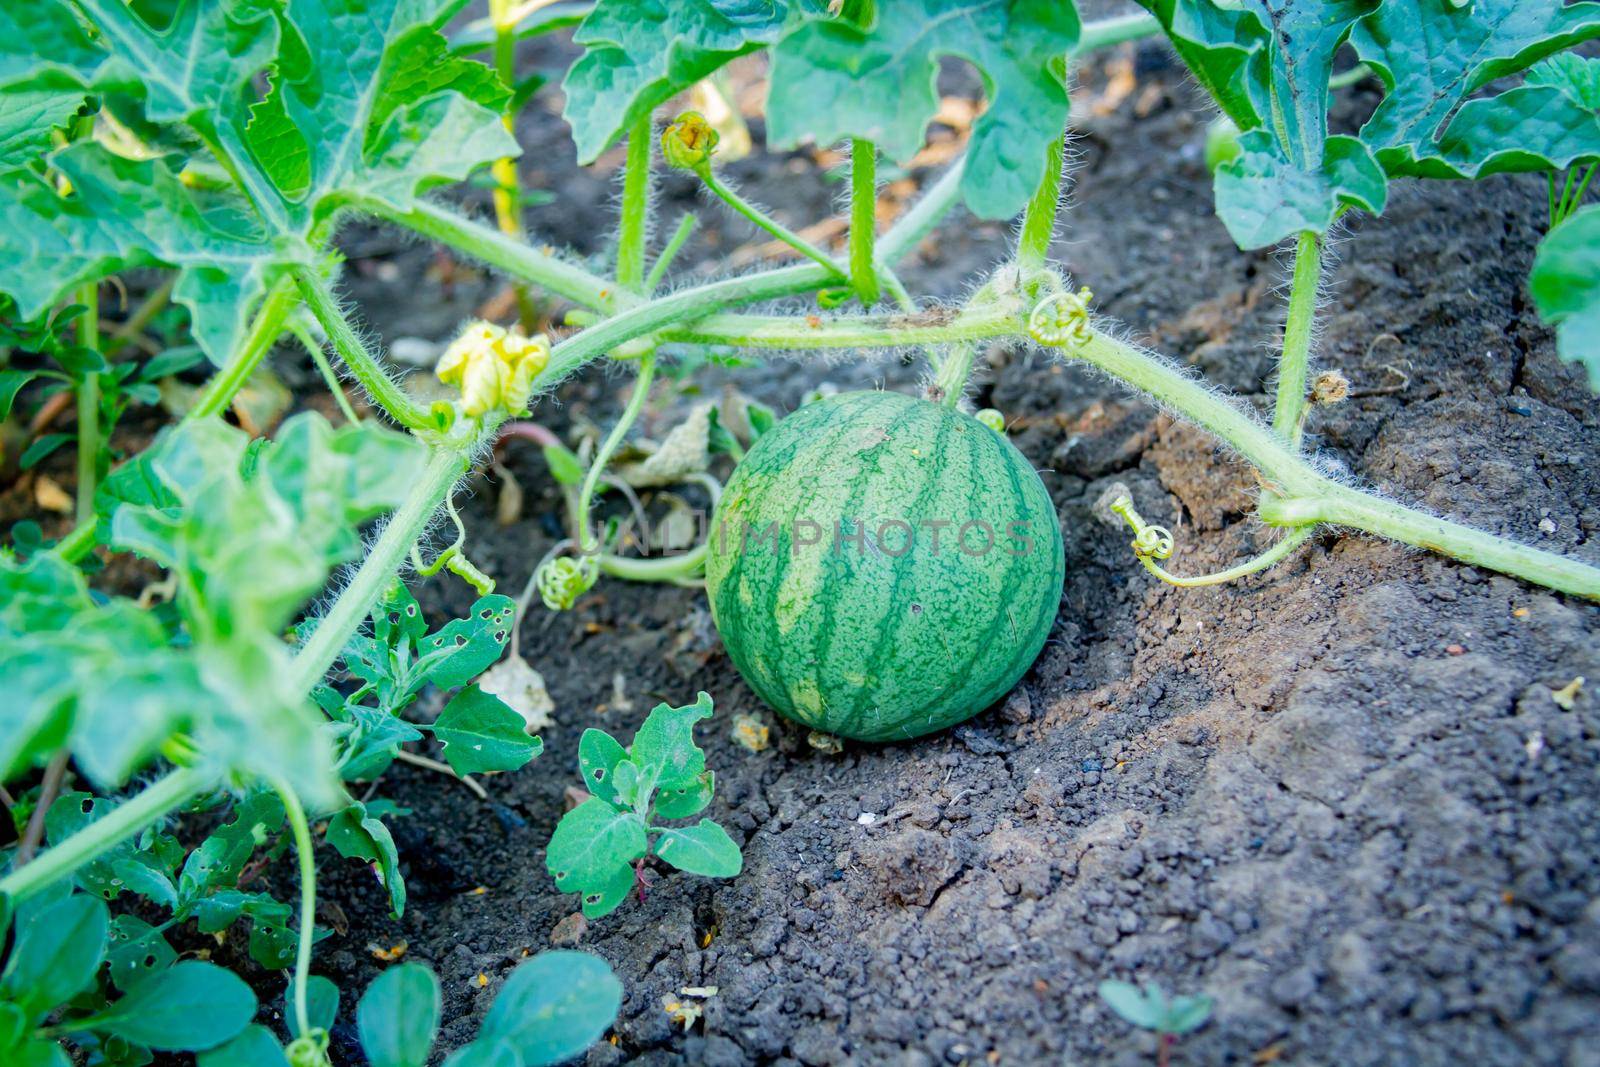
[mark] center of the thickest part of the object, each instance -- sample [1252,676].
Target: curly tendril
[1061,320]
[1149,542]
[563,580]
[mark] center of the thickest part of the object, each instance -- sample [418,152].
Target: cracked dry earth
[1338,797]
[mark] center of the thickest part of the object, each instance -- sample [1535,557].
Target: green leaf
[250,532]
[591,843]
[397,618]
[322,1004]
[606,893]
[217,863]
[370,102]
[254,1047]
[41,447]
[480,733]
[664,746]
[1128,1001]
[398,1016]
[138,950]
[465,648]
[1262,197]
[598,756]
[44,37]
[832,79]
[484,1054]
[565,466]
[1301,41]
[1565,284]
[1218,43]
[56,955]
[197,64]
[686,798]
[126,213]
[11,383]
[1186,1014]
[638,53]
[357,834]
[1432,55]
[143,866]
[193,1005]
[704,848]
[1574,76]
[37,1052]
[553,1007]
[29,119]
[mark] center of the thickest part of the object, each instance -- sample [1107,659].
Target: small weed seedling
[601,847]
[1151,1009]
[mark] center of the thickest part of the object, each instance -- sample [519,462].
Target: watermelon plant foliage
[600,847]
[163,748]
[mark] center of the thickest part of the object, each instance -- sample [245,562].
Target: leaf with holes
[480,733]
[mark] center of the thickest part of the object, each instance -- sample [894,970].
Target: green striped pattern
[873,641]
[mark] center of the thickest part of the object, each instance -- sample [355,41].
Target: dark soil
[1338,797]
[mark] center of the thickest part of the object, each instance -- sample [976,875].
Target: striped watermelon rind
[838,620]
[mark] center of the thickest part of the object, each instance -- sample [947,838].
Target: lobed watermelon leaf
[1433,55]
[638,53]
[837,77]
[366,104]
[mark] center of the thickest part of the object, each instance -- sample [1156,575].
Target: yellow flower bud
[689,142]
[493,368]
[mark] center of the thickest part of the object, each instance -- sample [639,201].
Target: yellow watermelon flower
[493,368]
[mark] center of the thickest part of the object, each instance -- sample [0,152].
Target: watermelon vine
[226,146]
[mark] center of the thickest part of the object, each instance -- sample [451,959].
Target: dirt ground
[1337,797]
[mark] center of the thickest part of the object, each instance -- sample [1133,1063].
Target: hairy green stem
[446,465]
[950,381]
[1343,506]
[301,829]
[1300,495]
[329,378]
[88,405]
[634,226]
[851,331]
[515,257]
[863,219]
[264,332]
[1104,33]
[1289,411]
[608,447]
[766,222]
[664,261]
[123,821]
[1039,219]
[363,364]
[684,306]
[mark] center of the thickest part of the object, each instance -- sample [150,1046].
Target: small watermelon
[881,567]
